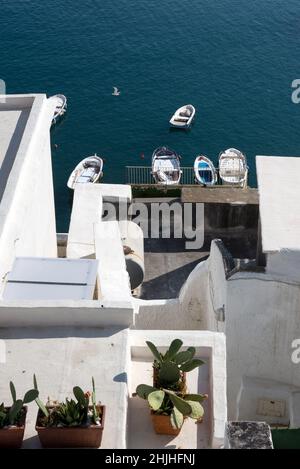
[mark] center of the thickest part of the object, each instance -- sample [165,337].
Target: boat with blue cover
[205,172]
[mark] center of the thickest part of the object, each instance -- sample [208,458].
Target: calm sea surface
[233,59]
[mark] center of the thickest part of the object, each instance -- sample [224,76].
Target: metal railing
[142,175]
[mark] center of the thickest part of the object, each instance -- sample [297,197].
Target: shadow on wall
[57,332]
[168,285]
[12,150]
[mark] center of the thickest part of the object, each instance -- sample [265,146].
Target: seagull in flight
[116,92]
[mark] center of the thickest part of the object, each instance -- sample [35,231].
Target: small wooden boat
[61,107]
[183,117]
[233,169]
[87,171]
[205,172]
[166,166]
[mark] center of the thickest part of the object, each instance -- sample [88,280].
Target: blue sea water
[234,60]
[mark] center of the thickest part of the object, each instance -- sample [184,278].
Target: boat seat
[83,179]
[86,175]
[185,114]
[88,172]
[182,119]
[91,164]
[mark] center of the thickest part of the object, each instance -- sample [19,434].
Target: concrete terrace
[220,195]
[229,214]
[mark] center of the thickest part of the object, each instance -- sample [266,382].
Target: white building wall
[284,263]
[262,320]
[27,213]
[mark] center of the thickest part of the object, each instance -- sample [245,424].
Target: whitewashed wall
[86,313]
[262,320]
[27,214]
[284,263]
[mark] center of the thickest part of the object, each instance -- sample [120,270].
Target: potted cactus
[73,423]
[13,418]
[168,399]
[170,369]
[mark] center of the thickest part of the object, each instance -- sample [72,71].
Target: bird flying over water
[116,91]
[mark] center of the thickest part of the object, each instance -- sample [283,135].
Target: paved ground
[220,194]
[168,264]
[167,272]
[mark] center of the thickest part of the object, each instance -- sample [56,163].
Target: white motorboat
[61,107]
[205,172]
[183,117]
[233,169]
[88,170]
[166,166]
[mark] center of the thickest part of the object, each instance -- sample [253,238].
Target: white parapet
[112,274]
[87,210]
[115,192]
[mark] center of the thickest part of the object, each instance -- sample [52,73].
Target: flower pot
[162,425]
[70,437]
[12,437]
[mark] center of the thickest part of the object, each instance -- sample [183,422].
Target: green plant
[11,416]
[170,367]
[168,396]
[3,416]
[167,402]
[71,413]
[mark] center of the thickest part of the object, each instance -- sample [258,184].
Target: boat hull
[233,169]
[183,117]
[166,167]
[77,173]
[61,107]
[205,172]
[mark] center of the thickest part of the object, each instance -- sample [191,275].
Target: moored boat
[183,117]
[233,169]
[61,106]
[166,166]
[88,170]
[205,172]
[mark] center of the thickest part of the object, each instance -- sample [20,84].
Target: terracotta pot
[12,437]
[162,425]
[73,437]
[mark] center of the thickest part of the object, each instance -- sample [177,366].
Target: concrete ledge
[115,192]
[66,313]
[112,273]
[87,210]
[220,195]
